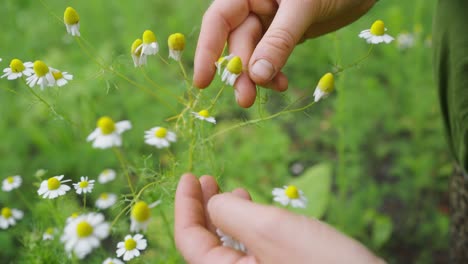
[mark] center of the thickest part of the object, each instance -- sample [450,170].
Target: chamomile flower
[72,21]
[376,34]
[49,233]
[106,200]
[140,216]
[61,78]
[159,137]
[405,40]
[150,45]
[112,261]
[324,87]
[176,43]
[222,62]
[106,176]
[42,76]
[107,133]
[232,71]
[290,195]
[17,69]
[40,172]
[131,246]
[53,187]
[84,185]
[84,233]
[9,216]
[204,115]
[72,217]
[229,241]
[11,183]
[135,51]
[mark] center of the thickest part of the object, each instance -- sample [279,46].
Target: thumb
[286,30]
[275,235]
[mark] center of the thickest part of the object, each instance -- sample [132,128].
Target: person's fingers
[290,23]
[268,232]
[209,188]
[279,83]
[242,42]
[241,193]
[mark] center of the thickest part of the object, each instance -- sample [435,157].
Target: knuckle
[280,40]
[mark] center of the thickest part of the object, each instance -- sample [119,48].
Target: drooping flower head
[232,71]
[49,233]
[17,69]
[42,75]
[84,233]
[53,187]
[11,183]
[135,51]
[84,185]
[61,78]
[150,45]
[229,241]
[9,216]
[106,200]
[176,43]
[222,63]
[139,217]
[204,115]
[324,87]
[159,137]
[290,195]
[376,34]
[131,246]
[72,21]
[106,176]
[107,133]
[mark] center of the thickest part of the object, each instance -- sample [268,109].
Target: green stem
[167,224]
[23,199]
[124,166]
[216,98]
[356,63]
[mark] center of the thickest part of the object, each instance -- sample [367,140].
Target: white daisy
[61,78]
[9,217]
[204,115]
[106,176]
[232,71]
[229,241]
[72,217]
[150,45]
[140,216]
[53,187]
[290,195]
[138,59]
[42,76]
[11,183]
[376,34]
[106,200]
[72,21]
[159,137]
[84,185]
[107,133]
[222,62]
[112,261]
[17,69]
[176,43]
[49,233]
[84,233]
[324,87]
[131,246]
[405,41]
[40,172]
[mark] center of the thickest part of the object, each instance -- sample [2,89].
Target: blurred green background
[371,158]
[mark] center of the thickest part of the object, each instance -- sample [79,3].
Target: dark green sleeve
[450,41]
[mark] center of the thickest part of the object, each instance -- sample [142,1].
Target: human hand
[271,235]
[264,33]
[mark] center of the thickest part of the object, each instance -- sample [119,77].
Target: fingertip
[242,193]
[245,91]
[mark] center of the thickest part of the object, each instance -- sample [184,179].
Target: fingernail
[263,69]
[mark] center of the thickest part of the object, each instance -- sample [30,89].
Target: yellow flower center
[160,132]
[16,66]
[53,183]
[106,124]
[10,179]
[378,28]
[83,184]
[130,244]
[235,65]
[6,212]
[57,75]
[104,196]
[135,45]
[149,37]
[40,68]
[141,211]
[70,16]
[176,41]
[50,231]
[292,192]
[204,113]
[326,83]
[74,215]
[84,229]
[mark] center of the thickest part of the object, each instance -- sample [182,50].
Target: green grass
[374,159]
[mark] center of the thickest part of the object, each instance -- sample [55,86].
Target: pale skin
[271,235]
[264,33]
